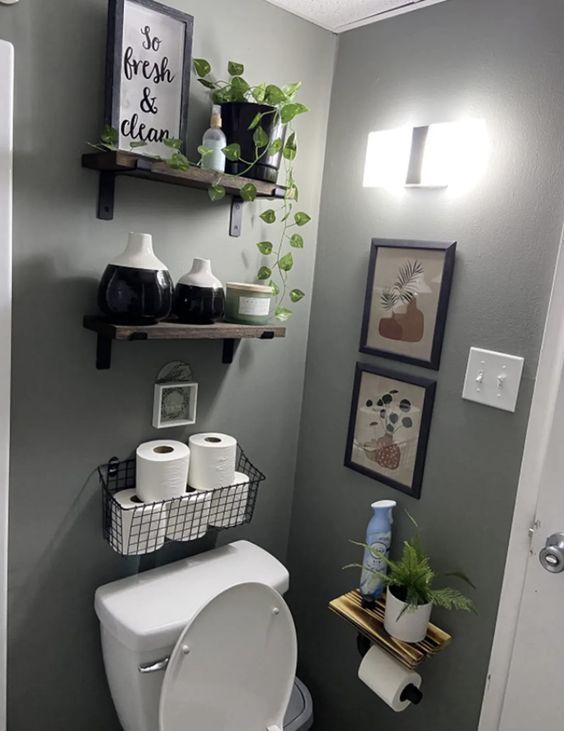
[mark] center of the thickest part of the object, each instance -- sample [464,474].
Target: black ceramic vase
[136,287]
[199,297]
[236,119]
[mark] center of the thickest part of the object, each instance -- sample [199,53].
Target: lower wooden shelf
[370,623]
[230,333]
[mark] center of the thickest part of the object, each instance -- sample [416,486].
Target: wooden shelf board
[179,331]
[137,166]
[370,623]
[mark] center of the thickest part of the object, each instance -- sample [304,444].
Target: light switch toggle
[493,379]
[501,380]
[480,377]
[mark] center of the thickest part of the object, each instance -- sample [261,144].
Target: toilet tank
[142,616]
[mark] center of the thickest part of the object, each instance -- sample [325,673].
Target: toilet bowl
[203,644]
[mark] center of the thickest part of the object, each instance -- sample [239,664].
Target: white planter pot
[411,626]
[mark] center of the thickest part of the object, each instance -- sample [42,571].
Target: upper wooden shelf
[370,623]
[110,164]
[230,333]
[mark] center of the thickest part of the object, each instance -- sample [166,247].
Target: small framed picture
[174,404]
[389,427]
[406,302]
[148,65]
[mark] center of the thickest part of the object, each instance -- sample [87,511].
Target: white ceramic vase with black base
[199,297]
[136,287]
[404,622]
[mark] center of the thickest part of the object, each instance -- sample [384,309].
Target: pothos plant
[284,109]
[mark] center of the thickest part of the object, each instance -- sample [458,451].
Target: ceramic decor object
[136,287]
[199,297]
[406,623]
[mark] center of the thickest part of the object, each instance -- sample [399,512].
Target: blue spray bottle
[379,537]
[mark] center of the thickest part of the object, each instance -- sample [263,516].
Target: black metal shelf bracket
[103,353]
[236,218]
[106,196]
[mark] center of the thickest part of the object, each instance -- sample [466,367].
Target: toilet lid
[233,667]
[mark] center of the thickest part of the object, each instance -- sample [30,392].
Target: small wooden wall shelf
[370,623]
[230,333]
[112,164]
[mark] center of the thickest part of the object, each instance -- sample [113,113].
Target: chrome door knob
[552,555]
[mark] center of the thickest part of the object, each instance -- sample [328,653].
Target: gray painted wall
[501,61]
[67,417]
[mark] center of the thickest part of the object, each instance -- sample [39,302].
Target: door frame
[547,385]
[6,167]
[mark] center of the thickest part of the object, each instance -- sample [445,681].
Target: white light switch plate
[493,379]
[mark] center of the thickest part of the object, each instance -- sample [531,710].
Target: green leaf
[291,110]
[201,66]
[239,88]
[249,192]
[265,247]
[207,83]
[232,152]
[268,216]
[178,161]
[216,192]
[296,295]
[222,95]
[259,93]
[137,143]
[260,138]
[204,151]
[283,314]
[109,136]
[264,273]
[274,95]
[291,89]
[256,120]
[235,69]
[291,147]
[297,241]
[275,147]
[301,218]
[275,288]
[286,262]
[291,193]
[173,142]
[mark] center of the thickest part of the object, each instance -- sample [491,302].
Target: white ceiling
[341,15]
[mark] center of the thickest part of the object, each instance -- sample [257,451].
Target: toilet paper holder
[410,693]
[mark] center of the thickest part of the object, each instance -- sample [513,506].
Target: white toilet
[203,644]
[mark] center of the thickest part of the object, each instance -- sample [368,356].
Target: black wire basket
[134,530]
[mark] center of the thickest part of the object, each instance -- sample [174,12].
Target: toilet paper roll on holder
[410,693]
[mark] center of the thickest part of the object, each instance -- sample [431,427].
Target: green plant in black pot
[258,124]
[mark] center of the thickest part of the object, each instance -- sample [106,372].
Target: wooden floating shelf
[230,333]
[111,164]
[370,623]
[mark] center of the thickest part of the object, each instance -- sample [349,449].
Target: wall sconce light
[430,156]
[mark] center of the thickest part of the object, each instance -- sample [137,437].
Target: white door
[6,115]
[525,688]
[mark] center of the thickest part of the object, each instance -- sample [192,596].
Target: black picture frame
[114,58]
[429,388]
[449,249]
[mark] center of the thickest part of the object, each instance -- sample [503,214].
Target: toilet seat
[233,666]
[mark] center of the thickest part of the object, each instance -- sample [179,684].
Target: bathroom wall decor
[149,56]
[389,427]
[406,303]
[175,404]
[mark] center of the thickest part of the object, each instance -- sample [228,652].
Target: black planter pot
[236,118]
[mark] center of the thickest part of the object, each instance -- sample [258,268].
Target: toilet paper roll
[212,461]
[189,516]
[386,677]
[136,528]
[229,505]
[162,470]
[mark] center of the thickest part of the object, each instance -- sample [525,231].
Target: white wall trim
[550,370]
[6,163]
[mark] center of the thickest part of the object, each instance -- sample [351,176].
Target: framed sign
[389,427]
[406,302]
[149,57]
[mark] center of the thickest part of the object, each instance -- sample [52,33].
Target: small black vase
[199,297]
[136,287]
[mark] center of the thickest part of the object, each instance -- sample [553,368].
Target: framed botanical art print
[406,302]
[389,427]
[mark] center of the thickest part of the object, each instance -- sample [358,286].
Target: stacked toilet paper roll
[162,470]
[189,516]
[136,528]
[212,461]
[387,678]
[229,504]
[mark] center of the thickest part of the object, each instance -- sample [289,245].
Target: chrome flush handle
[155,667]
